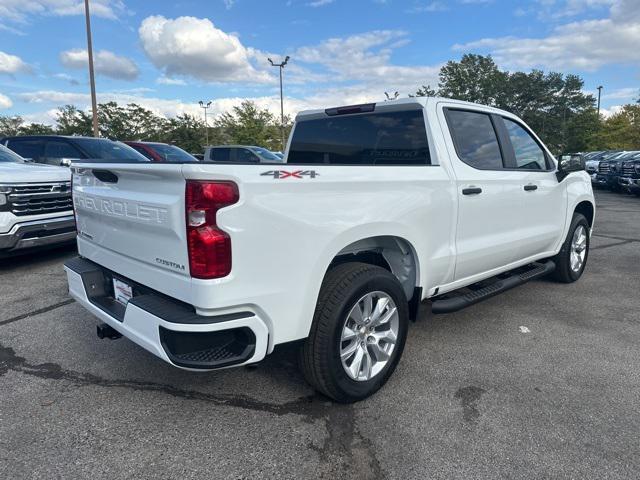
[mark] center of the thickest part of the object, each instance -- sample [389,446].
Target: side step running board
[453,302]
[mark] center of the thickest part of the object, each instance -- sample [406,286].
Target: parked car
[629,178]
[161,152]
[63,150]
[35,205]
[198,156]
[280,155]
[380,207]
[604,178]
[240,154]
[610,169]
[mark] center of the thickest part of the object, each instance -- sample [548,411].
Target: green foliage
[247,124]
[552,104]
[620,131]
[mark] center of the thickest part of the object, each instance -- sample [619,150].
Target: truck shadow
[33,258]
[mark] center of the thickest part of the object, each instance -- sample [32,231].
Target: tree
[621,130]
[72,121]
[247,124]
[186,131]
[10,126]
[475,78]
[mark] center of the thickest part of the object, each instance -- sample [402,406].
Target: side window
[246,156]
[475,139]
[60,149]
[219,155]
[529,155]
[26,148]
[142,151]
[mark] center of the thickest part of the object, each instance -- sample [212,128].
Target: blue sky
[168,55]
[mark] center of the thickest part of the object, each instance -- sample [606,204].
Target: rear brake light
[209,247]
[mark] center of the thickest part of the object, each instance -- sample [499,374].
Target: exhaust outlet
[106,331]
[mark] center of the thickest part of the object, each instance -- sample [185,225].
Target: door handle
[530,188]
[471,191]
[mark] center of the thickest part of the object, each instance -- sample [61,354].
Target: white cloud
[164,80]
[105,63]
[584,45]
[428,7]
[319,3]
[22,10]
[608,112]
[194,47]
[366,58]
[5,102]
[628,93]
[11,64]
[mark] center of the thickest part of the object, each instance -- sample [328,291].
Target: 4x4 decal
[281,174]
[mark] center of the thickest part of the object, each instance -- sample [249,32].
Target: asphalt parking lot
[541,382]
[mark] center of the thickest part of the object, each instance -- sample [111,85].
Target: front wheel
[358,332]
[572,258]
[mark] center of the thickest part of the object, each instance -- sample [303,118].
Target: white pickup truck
[377,208]
[35,205]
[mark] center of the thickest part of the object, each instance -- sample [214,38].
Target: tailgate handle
[105,176]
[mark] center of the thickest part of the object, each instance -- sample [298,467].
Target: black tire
[320,360]
[563,272]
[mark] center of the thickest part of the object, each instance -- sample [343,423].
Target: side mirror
[574,163]
[66,162]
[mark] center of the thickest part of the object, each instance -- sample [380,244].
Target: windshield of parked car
[7,155]
[171,153]
[266,155]
[103,149]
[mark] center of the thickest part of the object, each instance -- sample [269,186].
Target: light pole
[281,67]
[389,97]
[92,80]
[599,93]
[205,106]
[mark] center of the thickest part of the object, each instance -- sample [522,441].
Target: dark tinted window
[393,138]
[142,151]
[7,155]
[219,154]
[171,153]
[475,139]
[26,148]
[60,149]
[244,155]
[103,149]
[529,155]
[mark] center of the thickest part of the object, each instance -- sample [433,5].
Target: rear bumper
[38,233]
[166,327]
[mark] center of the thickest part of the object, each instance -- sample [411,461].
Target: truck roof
[398,105]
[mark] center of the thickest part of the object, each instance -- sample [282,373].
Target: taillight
[209,247]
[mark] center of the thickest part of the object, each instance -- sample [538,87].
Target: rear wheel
[572,258]
[358,332]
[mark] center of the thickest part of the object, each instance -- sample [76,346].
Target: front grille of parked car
[37,199]
[603,167]
[628,169]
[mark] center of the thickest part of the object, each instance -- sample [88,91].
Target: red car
[162,152]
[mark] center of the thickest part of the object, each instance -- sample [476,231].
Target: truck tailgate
[133,210]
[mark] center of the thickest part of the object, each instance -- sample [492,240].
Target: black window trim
[316,165]
[491,116]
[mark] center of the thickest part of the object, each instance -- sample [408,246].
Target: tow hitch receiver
[106,331]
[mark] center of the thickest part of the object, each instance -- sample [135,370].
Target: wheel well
[391,253]
[586,209]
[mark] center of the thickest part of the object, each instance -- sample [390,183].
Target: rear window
[103,149]
[390,138]
[475,139]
